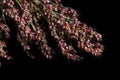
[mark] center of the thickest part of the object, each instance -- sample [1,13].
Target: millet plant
[37,21]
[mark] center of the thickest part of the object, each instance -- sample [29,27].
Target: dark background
[99,14]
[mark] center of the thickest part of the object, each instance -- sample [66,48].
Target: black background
[99,14]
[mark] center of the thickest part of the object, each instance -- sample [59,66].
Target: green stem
[33,27]
[3,17]
[18,3]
